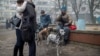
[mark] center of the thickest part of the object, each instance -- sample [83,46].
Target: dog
[43,34]
[57,39]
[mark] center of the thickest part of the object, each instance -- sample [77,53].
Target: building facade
[7,10]
[47,5]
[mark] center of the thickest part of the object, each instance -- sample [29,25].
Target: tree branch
[89,3]
[59,4]
[73,7]
[80,5]
[96,5]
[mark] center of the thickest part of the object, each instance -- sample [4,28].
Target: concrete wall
[93,27]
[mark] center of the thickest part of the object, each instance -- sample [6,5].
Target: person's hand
[66,24]
[59,23]
[21,15]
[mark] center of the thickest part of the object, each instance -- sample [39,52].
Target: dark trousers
[67,35]
[20,44]
[32,48]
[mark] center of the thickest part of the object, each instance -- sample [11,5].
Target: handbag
[73,27]
[15,21]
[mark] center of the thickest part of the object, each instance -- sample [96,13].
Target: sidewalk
[8,39]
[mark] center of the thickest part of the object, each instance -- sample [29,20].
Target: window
[12,2]
[6,7]
[1,18]
[6,14]
[42,3]
[13,13]
[12,8]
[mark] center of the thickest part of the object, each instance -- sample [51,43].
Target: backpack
[26,27]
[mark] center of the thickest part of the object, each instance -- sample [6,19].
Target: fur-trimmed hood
[20,9]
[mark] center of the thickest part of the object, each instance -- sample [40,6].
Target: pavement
[8,40]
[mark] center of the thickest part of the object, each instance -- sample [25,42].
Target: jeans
[20,44]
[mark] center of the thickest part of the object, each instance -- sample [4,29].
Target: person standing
[30,15]
[6,23]
[21,5]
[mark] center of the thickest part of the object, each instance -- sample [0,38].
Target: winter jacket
[19,12]
[63,20]
[20,9]
[45,20]
[30,13]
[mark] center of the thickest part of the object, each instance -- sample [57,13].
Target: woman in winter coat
[21,5]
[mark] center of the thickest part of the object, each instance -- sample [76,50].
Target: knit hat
[63,8]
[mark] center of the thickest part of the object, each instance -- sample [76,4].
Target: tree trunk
[63,3]
[92,17]
[59,4]
[91,6]
[77,16]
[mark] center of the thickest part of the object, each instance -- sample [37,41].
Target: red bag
[73,27]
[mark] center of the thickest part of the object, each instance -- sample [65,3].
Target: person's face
[42,13]
[19,4]
[63,12]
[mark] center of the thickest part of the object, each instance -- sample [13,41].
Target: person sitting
[45,20]
[63,22]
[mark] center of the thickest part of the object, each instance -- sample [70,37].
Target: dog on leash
[57,39]
[43,34]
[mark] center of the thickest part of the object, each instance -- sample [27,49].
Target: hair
[29,0]
[20,1]
[42,11]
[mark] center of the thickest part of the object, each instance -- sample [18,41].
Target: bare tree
[93,4]
[76,5]
[59,4]
[64,2]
